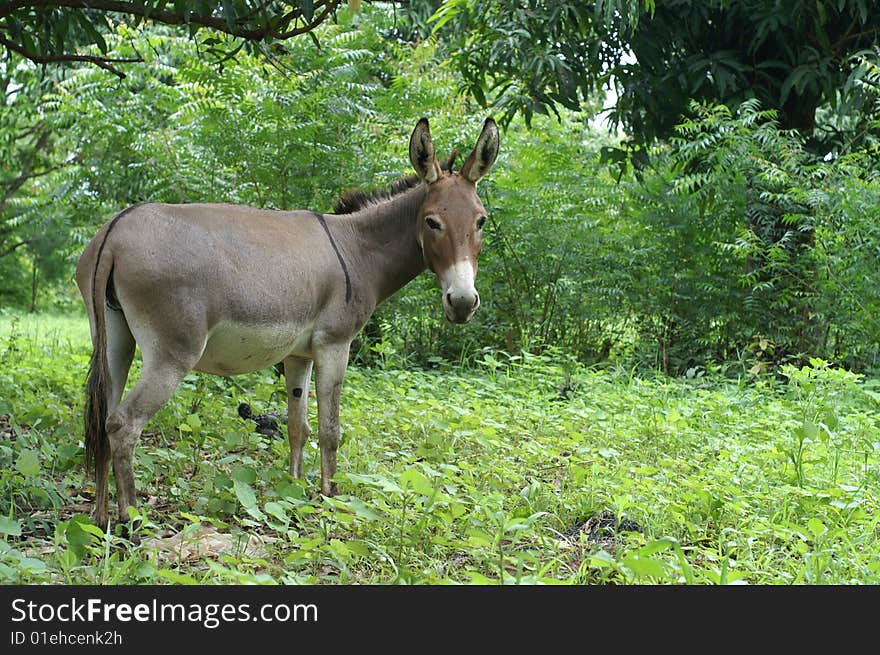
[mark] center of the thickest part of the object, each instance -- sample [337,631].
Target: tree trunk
[34,282]
[799,114]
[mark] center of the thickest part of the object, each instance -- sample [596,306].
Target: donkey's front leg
[297,372]
[330,364]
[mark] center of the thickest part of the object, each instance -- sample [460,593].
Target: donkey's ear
[422,154]
[484,153]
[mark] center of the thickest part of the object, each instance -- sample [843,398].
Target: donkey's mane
[353,200]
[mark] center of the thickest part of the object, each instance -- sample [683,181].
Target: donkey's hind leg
[120,352]
[159,379]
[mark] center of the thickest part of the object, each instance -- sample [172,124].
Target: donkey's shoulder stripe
[326,227]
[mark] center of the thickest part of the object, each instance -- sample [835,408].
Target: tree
[57,31]
[28,158]
[530,56]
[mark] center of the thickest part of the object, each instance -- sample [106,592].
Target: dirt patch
[7,431]
[207,542]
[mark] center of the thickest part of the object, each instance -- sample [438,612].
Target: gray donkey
[230,289]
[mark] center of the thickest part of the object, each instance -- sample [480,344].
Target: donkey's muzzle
[460,297]
[460,306]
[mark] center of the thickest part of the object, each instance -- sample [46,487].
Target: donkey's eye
[481,221]
[432,223]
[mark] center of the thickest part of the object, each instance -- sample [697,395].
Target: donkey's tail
[97,444]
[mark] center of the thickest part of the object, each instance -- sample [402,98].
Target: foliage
[174,131]
[734,243]
[249,135]
[54,31]
[787,213]
[457,476]
[765,204]
[533,56]
[30,220]
[847,242]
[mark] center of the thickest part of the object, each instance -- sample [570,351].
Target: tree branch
[182,18]
[14,185]
[12,249]
[103,62]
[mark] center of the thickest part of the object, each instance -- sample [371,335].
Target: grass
[527,470]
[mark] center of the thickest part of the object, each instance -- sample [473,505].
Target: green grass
[493,475]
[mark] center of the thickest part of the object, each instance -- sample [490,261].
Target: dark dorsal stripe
[323,223]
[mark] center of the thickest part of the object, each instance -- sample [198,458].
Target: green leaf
[307,9]
[811,430]
[91,529]
[31,565]
[361,509]
[9,526]
[602,559]
[445,12]
[340,550]
[643,567]
[76,537]
[89,27]
[277,510]
[358,548]
[816,527]
[654,547]
[28,463]
[417,481]
[796,80]
[248,499]
[246,474]
[176,578]
[379,481]
[830,419]
[516,525]
[480,538]
[145,570]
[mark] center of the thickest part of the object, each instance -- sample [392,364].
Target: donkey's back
[234,288]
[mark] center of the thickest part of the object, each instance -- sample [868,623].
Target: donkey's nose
[460,297]
[461,304]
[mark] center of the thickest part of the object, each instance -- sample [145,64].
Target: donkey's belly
[234,348]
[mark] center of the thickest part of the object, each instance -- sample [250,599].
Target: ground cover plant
[525,469]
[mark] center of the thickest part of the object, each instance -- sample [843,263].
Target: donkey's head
[450,220]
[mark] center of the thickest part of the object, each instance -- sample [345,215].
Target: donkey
[229,289]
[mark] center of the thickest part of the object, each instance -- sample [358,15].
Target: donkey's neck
[385,241]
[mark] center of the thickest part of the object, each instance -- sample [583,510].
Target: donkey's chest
[234,348]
